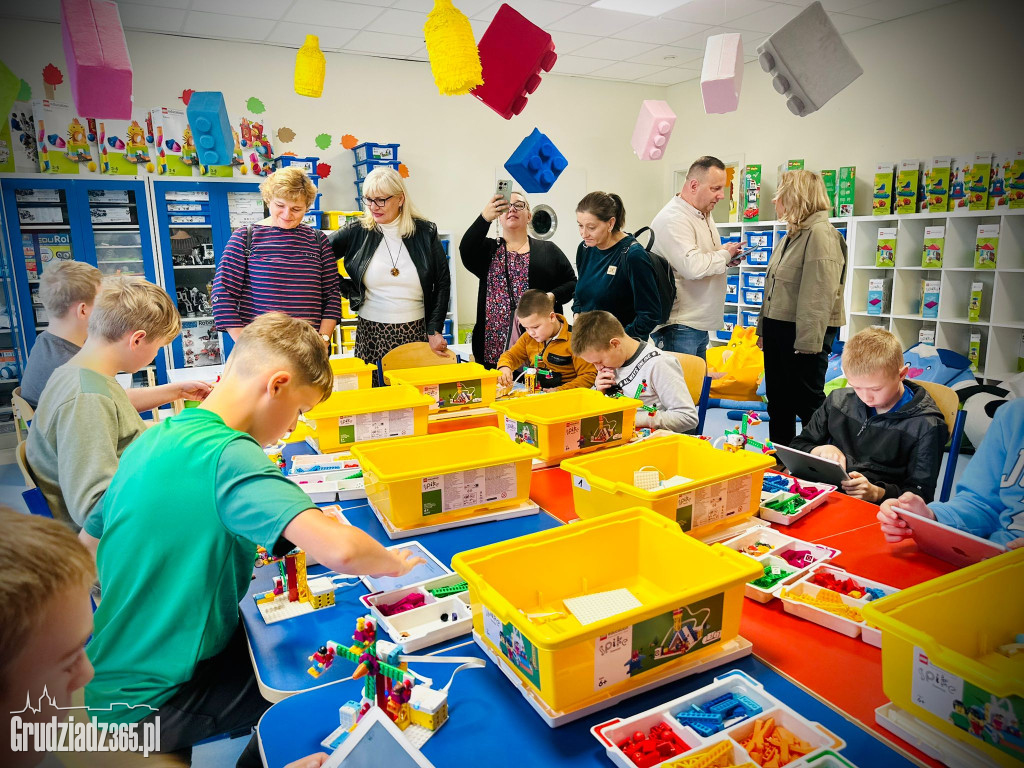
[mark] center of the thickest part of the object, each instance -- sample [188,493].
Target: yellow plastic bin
[569,422]
[347,313]
[363,415]
[462,385]
[940,654]
[338,219]
[705,489]
[351,373]
[348,334]
[690,598]
[443,478]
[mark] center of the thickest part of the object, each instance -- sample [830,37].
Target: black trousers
[222,697]
[794,383]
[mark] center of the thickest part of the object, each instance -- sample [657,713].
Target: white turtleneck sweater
[391,299]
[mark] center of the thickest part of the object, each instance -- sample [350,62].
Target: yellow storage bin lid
[634,548]
[562,406]
[612,470]
[414,457]
[355,401]
[440,374]
[343,365]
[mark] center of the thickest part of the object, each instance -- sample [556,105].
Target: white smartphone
[504,188]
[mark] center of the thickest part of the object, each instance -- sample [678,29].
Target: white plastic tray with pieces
[770,548]
[782,518]
[794,595]
[746,706]
[436,619]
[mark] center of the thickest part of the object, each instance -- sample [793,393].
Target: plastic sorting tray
[828,759]
[438,619]
[450,387]
[733,732]
[842,624]
[775,516]
[779,543]
[331,486]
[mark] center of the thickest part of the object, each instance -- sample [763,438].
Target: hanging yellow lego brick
[310,68]
[454,58]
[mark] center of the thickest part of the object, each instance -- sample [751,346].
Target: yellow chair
[695,371]
[416,354]
[948,402]
[23,413]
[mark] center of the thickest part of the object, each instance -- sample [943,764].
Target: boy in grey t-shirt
[67,290]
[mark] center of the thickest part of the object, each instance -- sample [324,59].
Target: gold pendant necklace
[394,262]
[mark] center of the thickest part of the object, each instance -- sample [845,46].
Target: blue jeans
[682,338]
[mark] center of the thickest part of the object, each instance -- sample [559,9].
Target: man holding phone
[685,234]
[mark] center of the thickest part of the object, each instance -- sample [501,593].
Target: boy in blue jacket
[989,499]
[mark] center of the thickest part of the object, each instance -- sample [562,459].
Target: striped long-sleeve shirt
[290,270]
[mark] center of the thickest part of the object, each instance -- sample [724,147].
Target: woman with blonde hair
[803,303]
[398,272]
[279,264]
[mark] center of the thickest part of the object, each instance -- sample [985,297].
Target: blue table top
[489,716]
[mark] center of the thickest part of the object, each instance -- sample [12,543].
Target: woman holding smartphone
[507,266]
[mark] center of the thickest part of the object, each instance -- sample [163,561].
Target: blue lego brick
[702,722]
[750,706]
[536,163]
[211,129]
[773,483]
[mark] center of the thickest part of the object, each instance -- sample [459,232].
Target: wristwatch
[325,337]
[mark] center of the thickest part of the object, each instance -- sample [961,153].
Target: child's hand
[405,562]
[605,379]
[1016,543]
[831,453]
[505,379]
[894,527]
[310,761]
[859,487]
[193,390]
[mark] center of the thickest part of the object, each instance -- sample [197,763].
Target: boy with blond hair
[885,431]
[197,490]
[635,369]
[85,420]
[545,344]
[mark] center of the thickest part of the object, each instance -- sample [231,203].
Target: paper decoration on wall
[808,61]
[285,135]
[348,141]
[310,68]
[9,87]
[96,52]
[186,95]
[403,170]
[323,170]
[52,77]
[454,58]
[323,141]
[255,106]
[25,92]
[65,138]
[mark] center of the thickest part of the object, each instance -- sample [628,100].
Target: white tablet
[807,466]
[950,544]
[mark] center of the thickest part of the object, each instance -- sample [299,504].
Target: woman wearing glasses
[507,266]
[398,272]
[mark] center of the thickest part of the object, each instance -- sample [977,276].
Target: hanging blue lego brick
[536,163]
[211,129]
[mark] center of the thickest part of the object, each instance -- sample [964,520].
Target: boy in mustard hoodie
[545,345]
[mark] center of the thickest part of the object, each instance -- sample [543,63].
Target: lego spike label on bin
[653,129]
[808,61]
[536,163]
[97,54]
[211,128]
[454,58]
[310,68]
[513,51]
[722,73]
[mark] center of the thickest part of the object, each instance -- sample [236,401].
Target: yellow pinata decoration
[310,68]
[454,58]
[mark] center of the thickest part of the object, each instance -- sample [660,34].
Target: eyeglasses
[519,205]
[377,202]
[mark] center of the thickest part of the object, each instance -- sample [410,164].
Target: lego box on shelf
[653,129]
[908,176]
[829,179]
[305,164]
[362,415]
[175,151]
[716,724]
[879,295]
[959,180]
[846,191]
[930,298]
[18,138]
[425,613]
[370,151]
[934,243]
[578,636]
[782,559]
[986,247]
[452,387]
[702,489]
[882,196]
[569,422]
[1020,355]
[885,247]
[964,677]
[974,302]
[974,350]
[926,336]
[124,146]
[788,165]
[751,192]
[978,181]
[936,185]
[1002,165]
[1015,183]
[536,163]
[66,142]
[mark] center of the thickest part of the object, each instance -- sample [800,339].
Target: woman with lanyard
[507,266]
[615,272]
[398,272]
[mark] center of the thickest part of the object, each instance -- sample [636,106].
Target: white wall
[452,145]
[948,81]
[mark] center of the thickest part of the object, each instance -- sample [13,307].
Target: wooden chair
[34,499]
[413,355]
[23,413]
[949,403]
[695,371]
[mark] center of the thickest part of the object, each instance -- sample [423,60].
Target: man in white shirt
[685,234]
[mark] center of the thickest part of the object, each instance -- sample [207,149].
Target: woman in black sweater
[506,267]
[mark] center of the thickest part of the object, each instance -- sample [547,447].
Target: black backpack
[664,275]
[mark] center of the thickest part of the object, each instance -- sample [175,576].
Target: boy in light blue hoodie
[989,499]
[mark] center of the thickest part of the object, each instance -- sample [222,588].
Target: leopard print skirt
[374,340]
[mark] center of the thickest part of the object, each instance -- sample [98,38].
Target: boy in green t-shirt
[178,530]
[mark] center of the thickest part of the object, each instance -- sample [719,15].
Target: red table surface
[849,674]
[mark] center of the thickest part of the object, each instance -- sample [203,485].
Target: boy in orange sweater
[546,345]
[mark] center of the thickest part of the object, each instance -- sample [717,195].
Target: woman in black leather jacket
[398,272]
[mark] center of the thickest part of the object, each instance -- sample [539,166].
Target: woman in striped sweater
[290,267]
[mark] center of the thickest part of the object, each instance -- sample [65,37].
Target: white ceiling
[590,42]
